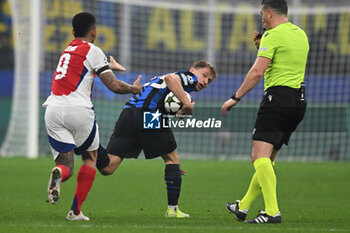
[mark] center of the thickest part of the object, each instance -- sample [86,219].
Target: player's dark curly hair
[279,6]
[82,23]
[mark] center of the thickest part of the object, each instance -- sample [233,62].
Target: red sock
[65,172]
[85,180]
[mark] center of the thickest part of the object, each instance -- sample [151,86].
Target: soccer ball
[172,104]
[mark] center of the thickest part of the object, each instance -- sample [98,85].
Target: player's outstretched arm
[118,86]
[174,84]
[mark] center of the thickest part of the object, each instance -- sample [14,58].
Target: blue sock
[173,182]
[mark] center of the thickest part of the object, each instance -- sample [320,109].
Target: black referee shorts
[280,112]
[129,138]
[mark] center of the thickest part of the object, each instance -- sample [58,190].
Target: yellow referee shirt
[287,46]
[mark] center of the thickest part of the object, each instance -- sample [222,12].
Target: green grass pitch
[313,197]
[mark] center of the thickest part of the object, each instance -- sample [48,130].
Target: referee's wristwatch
[235,98]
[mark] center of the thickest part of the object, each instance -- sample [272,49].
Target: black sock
[102,158]
[173,182]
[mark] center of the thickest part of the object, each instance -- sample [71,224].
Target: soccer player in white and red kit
[70,117]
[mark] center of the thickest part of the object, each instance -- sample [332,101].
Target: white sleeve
[97,59]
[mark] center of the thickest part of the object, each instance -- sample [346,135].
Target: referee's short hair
[82,23]
[279,6]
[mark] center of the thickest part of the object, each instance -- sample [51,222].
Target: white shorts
[71,127]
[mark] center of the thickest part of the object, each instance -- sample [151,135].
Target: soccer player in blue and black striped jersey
[129,136]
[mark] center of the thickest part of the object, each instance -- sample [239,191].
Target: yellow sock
[253,192]
[267,181]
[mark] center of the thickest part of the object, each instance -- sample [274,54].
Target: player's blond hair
[203,64]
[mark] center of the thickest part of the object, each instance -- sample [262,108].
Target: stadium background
[156,37]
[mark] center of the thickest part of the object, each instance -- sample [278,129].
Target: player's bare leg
[107,163]
[114,162]
[85,179]
[60,173]
[173,183]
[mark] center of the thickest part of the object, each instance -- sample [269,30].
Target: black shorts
[280,112]
[129,137]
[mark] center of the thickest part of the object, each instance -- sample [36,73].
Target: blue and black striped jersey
[153,92]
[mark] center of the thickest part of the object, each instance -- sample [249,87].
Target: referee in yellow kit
[281,60]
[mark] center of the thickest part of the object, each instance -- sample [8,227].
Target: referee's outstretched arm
[252,78]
